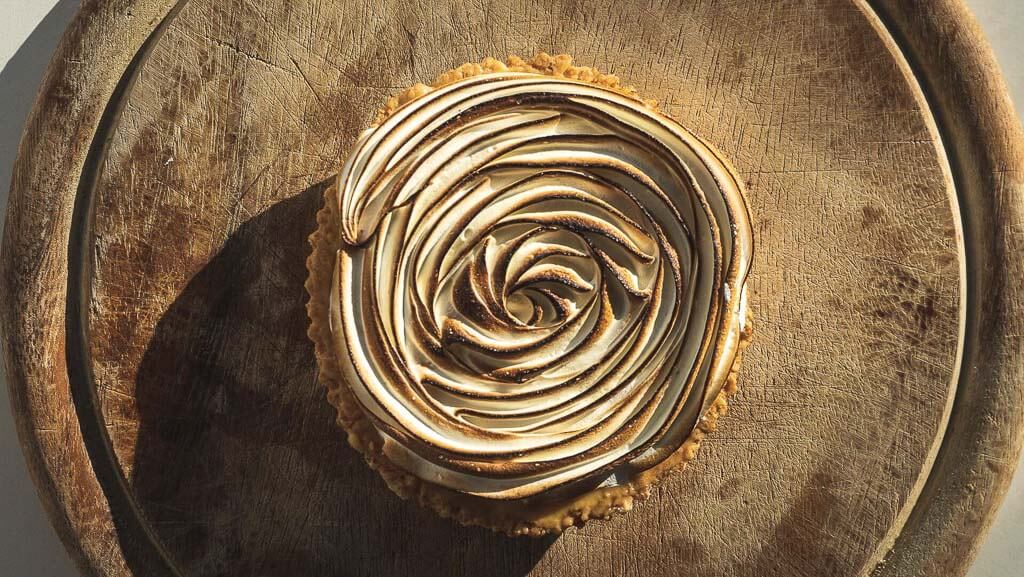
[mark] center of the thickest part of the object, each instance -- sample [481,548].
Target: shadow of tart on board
[240,468]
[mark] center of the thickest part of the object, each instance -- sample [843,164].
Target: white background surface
[29,31]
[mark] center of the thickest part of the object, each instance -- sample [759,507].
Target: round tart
[527,294]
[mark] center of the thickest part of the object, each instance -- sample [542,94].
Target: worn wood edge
[968,97]
[899,522]
[985,144]
[86,67]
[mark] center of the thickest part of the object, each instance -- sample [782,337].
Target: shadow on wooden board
[240,467]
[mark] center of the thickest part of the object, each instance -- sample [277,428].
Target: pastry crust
[532,517]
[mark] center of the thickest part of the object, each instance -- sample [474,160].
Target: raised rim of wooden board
[981,134]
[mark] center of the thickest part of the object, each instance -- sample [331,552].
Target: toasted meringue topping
[541,284]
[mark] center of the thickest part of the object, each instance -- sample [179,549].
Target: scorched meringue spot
[528,294]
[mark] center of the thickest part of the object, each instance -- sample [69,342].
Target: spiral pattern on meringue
[541,284]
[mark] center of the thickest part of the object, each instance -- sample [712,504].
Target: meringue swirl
[541,284]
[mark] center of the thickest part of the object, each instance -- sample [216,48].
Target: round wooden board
[153,311]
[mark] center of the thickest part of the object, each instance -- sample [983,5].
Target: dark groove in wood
[142,549]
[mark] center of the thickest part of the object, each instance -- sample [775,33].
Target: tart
[528,294]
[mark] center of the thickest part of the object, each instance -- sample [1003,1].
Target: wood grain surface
[154,261]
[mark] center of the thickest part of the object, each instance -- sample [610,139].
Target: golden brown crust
[511,517]
[559,66]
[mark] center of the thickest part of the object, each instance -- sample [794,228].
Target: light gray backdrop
[29,31]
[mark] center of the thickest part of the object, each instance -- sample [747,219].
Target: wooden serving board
[153,269]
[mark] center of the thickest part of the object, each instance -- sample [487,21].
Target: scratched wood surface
[154,255]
